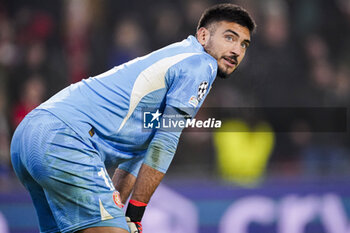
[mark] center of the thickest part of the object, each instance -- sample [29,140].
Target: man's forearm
[123,182]
[146,183]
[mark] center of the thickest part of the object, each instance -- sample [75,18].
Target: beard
[221,72]
[223,75]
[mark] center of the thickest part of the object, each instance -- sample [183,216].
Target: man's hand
[135,227]
[134,214]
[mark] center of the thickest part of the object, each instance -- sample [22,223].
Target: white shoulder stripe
[151,79]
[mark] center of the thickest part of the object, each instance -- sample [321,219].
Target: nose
[236,50]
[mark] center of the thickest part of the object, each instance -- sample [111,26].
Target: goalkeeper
[61,150]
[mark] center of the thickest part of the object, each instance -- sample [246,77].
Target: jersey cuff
[162,150]
[132,166]
[158,168]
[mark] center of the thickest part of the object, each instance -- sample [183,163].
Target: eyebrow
[235,33]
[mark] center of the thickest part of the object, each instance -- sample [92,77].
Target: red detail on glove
[139,226]
[137,203]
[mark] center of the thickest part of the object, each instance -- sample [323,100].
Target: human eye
[244,45]
[229,38]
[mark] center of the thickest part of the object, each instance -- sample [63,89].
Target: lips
[230,61]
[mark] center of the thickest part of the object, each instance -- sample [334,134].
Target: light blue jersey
[112,103]
[61,149]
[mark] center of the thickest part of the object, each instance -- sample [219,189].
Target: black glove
[134,214]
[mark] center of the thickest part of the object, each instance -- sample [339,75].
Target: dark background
[299,57]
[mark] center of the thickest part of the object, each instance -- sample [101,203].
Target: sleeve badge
[202,90]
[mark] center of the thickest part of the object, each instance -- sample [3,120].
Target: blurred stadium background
[283,182]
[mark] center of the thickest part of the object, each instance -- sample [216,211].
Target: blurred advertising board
[202,206]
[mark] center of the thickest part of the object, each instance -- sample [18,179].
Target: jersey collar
[195,43]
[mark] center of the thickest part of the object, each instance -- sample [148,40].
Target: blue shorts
[65,176]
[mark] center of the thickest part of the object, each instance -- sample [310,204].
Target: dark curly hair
[226,12]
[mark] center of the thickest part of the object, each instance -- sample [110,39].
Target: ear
[203,36]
